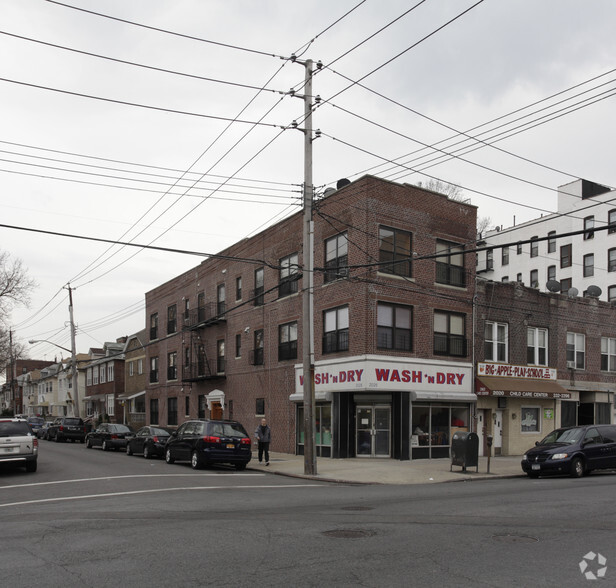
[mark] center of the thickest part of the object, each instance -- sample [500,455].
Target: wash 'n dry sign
[379,375]
[506,370]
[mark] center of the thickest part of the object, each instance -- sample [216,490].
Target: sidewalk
[389,471]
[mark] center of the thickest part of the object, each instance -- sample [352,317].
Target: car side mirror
[536,443]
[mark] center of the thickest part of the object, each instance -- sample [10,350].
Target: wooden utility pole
[73,356]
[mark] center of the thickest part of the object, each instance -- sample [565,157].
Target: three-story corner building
[393,292]
[544,360]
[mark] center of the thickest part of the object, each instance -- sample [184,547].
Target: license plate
[230,446]
[535,466]
[7,449]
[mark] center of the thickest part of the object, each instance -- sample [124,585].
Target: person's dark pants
[263,448]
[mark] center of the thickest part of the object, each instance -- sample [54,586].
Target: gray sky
[106,169]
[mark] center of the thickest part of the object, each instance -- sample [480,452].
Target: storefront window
[433,426]
[323,429]
[530,419]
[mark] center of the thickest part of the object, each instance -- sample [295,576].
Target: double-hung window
[287,341]
[336,257]
[172,365]
[153,369]
[256,355]
[589,225]
[611,221]
[496,341]
[450,264]
[505,256]
[153,326]
[395,251]
[336,329]
[565,255]
[289,271]
[552,242]
[611,260]
[589,265]
[534,246]
[608,354]
[576,350]
[449,331]
[537,346]
[172,323]
[257,295]
[394,325]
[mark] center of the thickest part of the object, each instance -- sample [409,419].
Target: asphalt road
[89,518]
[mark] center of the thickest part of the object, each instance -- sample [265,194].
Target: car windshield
[72,421]
[567,436]
[160,432]
[36,420]
[121,429]
[10,429]
[228,430]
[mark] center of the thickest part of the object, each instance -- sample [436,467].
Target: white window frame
[110,405]
[110,372]
[496,340]
[139,366]
[576,343]
[535,331]
[103,372]
[131,368]
[608,348]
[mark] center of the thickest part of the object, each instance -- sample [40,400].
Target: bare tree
[452,191]
[15,289]
[455,192]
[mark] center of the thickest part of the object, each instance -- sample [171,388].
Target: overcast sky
[80,154]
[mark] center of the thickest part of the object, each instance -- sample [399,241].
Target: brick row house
[544,360]
[105,383]
[392,327]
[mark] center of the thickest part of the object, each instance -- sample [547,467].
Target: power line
[167,32]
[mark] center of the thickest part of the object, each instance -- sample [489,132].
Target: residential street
[94,518]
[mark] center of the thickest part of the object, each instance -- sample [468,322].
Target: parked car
[204,442]
[109,436]
[150,441]
[572,450]
[43,430]
[67,429]
[35,423]
[17,444]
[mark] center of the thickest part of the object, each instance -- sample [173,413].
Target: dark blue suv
[573,450]
[204,442]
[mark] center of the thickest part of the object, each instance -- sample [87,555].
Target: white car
[18,445]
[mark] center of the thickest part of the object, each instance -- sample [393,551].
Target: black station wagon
[573,450]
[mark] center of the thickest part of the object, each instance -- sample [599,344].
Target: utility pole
[73,356]
[310,462]
[11,375]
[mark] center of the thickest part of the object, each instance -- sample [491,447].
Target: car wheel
[105,446]
[146,452]
[88,444]
[577,467]
[129,451]
[240,466]
[195,460]
[31,466]
[169,457]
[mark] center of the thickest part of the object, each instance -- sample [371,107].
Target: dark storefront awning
[521,388]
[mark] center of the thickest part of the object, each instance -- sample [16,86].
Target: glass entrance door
[373,431]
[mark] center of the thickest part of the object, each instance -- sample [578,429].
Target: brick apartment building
[392,327]
[544,360]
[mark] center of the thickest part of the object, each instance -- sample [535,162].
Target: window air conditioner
[571,365]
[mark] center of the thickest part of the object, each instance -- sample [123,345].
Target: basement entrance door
[373,426]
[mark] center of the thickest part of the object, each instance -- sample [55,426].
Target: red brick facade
[358,209]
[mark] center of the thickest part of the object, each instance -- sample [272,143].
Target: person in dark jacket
[264,437]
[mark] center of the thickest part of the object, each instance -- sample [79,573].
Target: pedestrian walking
[264,437]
